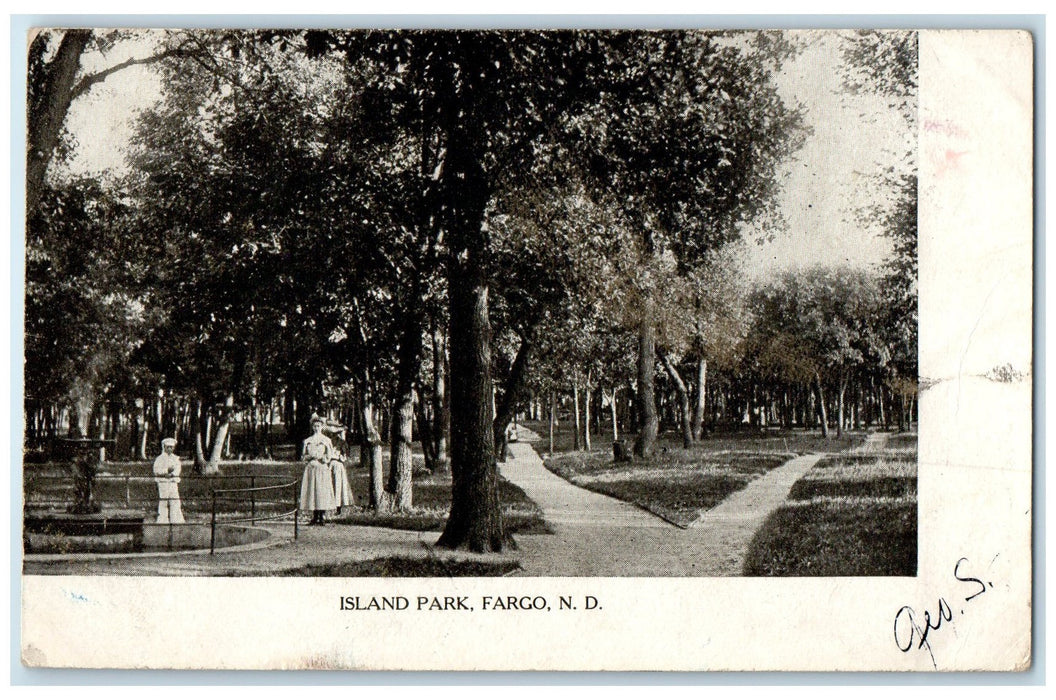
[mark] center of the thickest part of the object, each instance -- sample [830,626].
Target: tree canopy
[422,228]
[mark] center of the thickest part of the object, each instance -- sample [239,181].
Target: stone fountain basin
[125,532]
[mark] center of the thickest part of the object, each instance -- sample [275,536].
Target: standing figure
[342,489]
[317,485]
[167,476]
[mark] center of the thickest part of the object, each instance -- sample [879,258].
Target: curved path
[595,535]
[316,546]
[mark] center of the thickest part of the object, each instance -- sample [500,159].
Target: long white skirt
[342,489]
[317,487]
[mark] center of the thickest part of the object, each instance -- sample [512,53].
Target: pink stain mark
[951,160]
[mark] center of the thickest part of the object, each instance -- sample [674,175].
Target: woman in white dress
[317,485]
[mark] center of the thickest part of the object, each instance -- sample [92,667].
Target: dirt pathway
[565,505]
[595,535]
[316,546]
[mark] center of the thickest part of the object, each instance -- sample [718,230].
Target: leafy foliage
[821,321]
[80,319]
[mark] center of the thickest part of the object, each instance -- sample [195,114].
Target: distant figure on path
[317,486]
[167,476]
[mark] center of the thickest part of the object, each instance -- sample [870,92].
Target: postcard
[598,350]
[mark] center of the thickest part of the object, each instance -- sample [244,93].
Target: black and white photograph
[424,305]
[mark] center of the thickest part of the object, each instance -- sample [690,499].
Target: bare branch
[86,83]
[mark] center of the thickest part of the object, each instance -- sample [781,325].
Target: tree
[885,63]
[90,291]
[56,79]
[688,138]
[82,319]
[553,247]
[260,215]
[487,97]
[718,293]
[702,317]
[280,158]
[818,327]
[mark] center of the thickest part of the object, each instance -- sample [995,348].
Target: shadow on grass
[723,439]
[392,567]
[856,516]
[837,538]
[678,500]
[432,502]
[675,485]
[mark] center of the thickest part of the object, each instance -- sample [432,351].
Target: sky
[825,184]
[831,177]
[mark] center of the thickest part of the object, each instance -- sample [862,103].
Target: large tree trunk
[700,405]
[613,409]
[822,417]
[841,392]
[647,420]
[159,417]
[552,420]
[400,461]
[47,112]
[880,405]
[507,407]
[587,395]
[370,445]
[443,445]
[212,466]
[576,423]
[425,428]
[856,405]
[475,522]
[302,416]
[102,430]
[441,402]
[143,408]
[683,399]
[200,435]
[399,486]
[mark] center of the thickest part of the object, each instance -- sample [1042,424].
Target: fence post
[128,495]
[252,500]
[296,510]
[212,526]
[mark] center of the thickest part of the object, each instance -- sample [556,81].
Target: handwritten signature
[912,629]
[76,596]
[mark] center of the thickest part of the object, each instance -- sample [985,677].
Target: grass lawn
[886,475]
[675,483]
[902,441]
[851,515]
[431,494]
[837,537]
[131,485]
[723,439]
[407,567]
[432,501]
